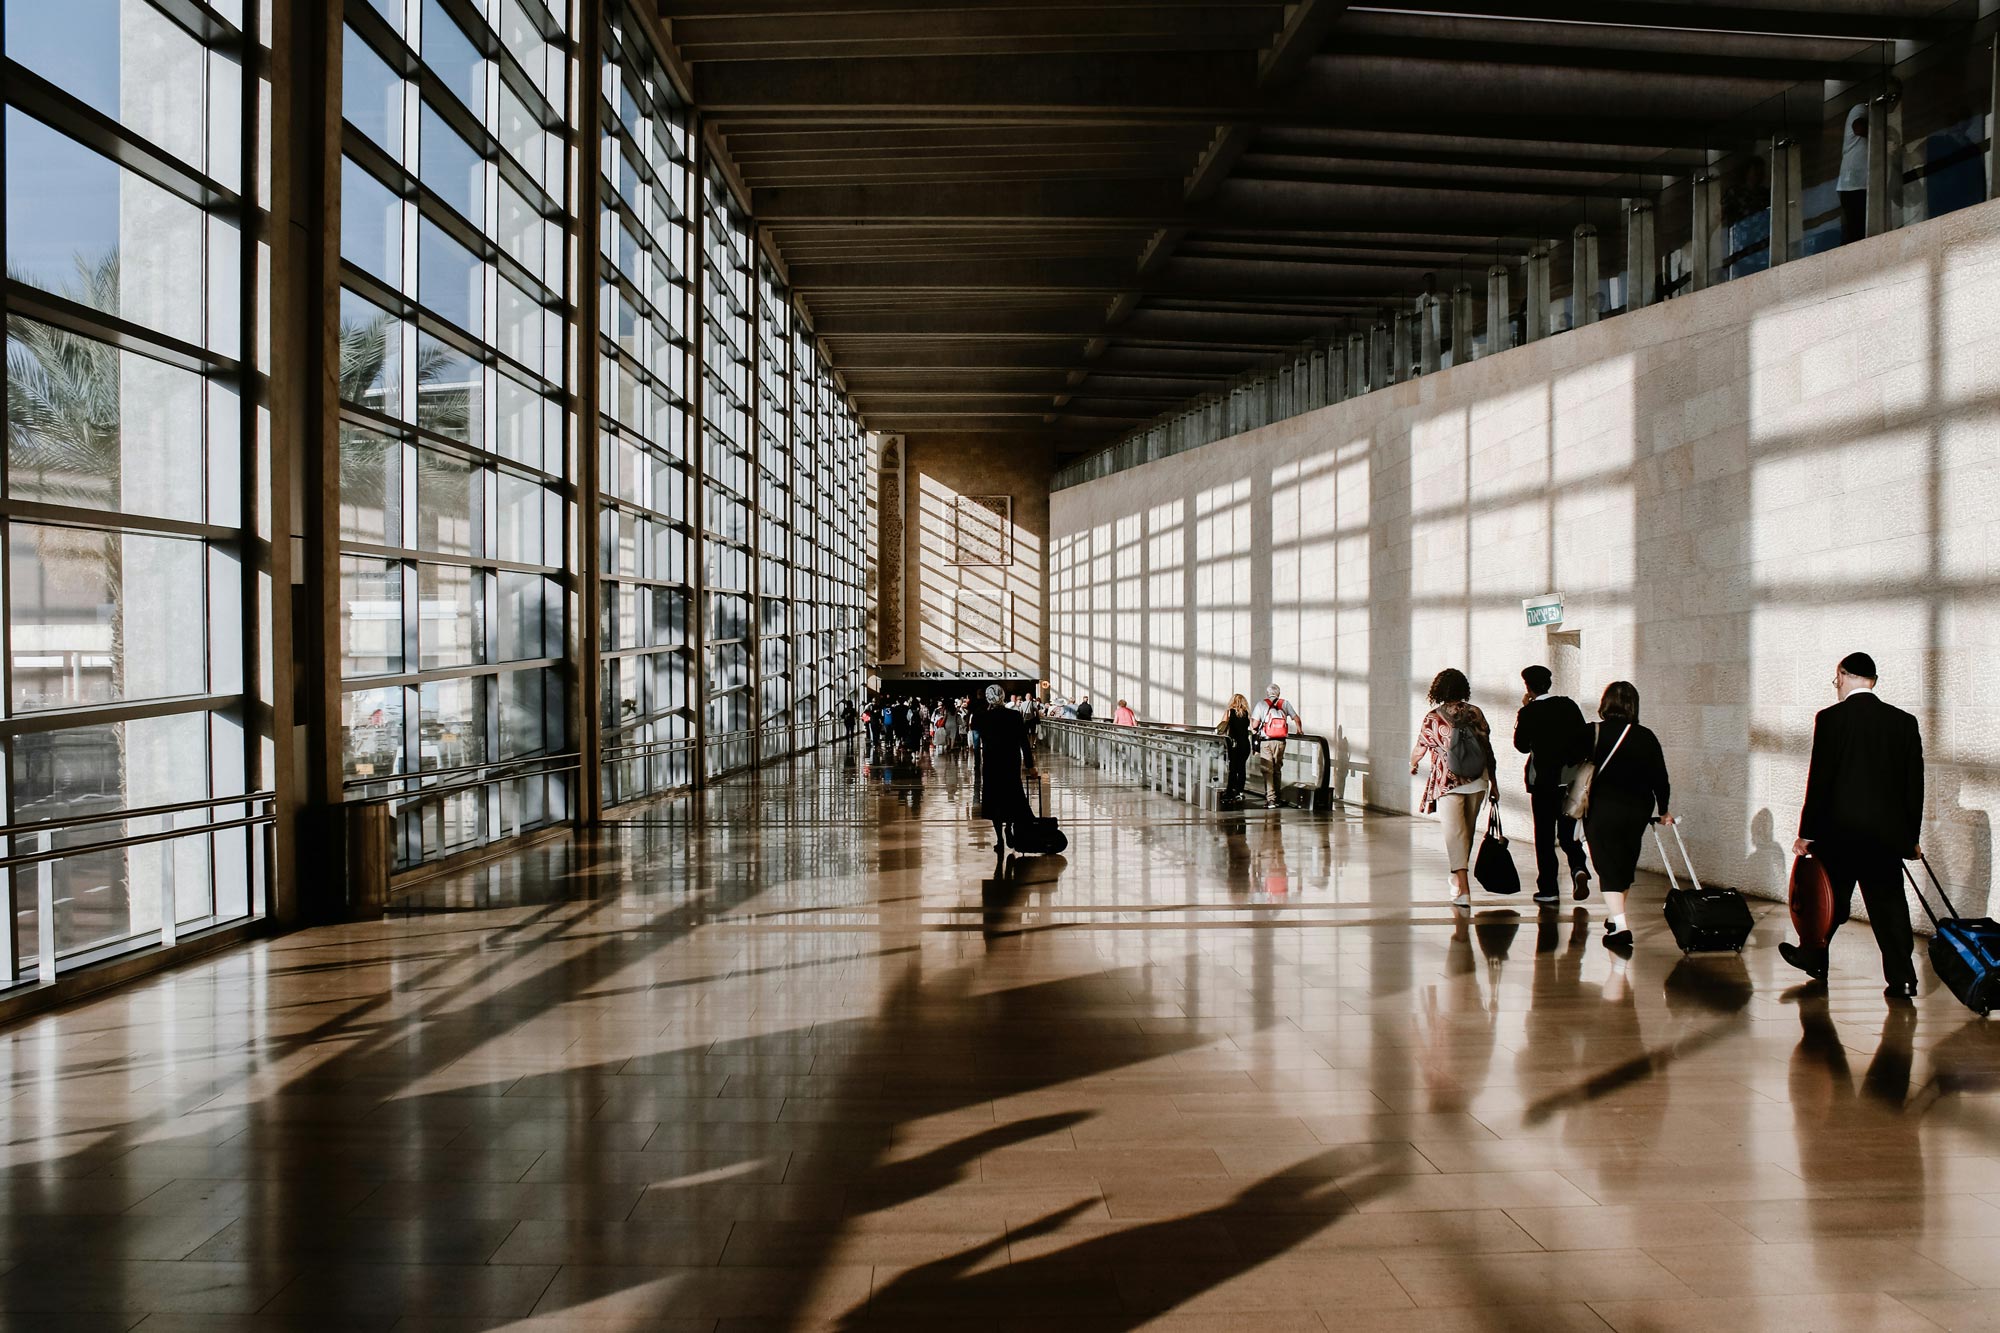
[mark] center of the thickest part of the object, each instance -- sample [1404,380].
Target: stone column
[1787,227]
[1707,218]
[1642,262]
[1880,219]
[1536,274]
[1498,301]
[1583,276]
[1430,334]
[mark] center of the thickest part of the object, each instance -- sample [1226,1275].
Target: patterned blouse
[1434,739]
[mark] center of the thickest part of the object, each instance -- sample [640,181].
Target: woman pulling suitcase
[1626,784]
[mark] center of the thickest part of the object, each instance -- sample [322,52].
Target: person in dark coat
[1235,731]
[1551,731]
[1863,809]
[1628,791]
[1003,750]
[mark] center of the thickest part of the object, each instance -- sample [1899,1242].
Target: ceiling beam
[1879,19]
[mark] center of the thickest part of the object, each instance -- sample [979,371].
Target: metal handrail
[419,774]
[138,839]
[1176,733]
[142,812]
[426,794]
[618,754]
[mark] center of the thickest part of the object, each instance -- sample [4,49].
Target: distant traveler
[1123,716]
[1003,746]
[1455,737]
[847,719]
[1084,712]
[1864,803]
[1551,731]
[1851,186]
[1274,721]
[1628,791]
[950,725]
[1235,730]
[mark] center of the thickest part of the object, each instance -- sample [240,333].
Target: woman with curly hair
[1454,796]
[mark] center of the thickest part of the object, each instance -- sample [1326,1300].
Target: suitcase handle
[1686,861]
[1916,888]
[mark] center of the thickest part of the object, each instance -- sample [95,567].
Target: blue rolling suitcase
[1965,951]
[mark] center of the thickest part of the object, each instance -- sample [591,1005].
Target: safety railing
[1189,763]
[123,893]
[465,805]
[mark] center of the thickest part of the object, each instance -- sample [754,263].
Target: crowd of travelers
[1608,779]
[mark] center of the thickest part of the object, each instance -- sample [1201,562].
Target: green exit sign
[1543,611]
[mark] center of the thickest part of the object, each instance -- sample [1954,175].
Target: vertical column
[1357,365]
[1583,276]
[1461,324]
[697,508]
[1880,165]
[586,716]
[1535,273]
[1787,226]
[1498,301]
[1993,123]
[1379,358]
[1430,333]
[1399,345]
[753,500]
[1642,256]
[1707,218]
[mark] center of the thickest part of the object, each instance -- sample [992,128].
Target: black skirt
[1615,828]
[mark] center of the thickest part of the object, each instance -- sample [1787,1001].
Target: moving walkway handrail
[1322,748]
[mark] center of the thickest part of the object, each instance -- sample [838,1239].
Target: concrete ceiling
[1023,218]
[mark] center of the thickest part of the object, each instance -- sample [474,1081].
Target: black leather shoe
[1582,889]
[1796,956]
[1901,990]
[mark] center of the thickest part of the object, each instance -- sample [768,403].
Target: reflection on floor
[797,1056]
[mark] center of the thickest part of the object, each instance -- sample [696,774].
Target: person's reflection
[1830,1115]
[1273,873]
[1458,1053]
[1237,856]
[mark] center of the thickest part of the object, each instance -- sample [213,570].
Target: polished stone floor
[794,1056]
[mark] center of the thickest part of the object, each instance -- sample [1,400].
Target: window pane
[371,617]
[371,95]
[371,225]
[449,52]
[530,617]
[450,631]
[371,732]
[450,396]
[123,58]
[448,166]
[449,731]
[97,428]
[371,356]
[450,282]
[81,227]
[99,616]
[371,487]
[451,504]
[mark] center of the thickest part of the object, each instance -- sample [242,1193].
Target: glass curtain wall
[122,570]
[727,534]
[455,462]
[777,687]
[645,477]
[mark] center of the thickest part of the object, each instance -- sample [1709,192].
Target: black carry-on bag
[1040,835]
[1703,920]
[1965,951]
[1493,865]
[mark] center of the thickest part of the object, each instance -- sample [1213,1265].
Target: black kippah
[1859,664]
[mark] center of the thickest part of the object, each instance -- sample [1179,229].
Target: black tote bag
[1494,866]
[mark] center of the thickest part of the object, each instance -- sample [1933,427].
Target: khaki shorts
[1459,813]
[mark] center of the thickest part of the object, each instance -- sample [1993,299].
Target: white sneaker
[1462,901]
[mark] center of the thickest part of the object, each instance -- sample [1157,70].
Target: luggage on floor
[1494,866]
[1703,920]
[1965,951]
[1811,897]
[1039,835]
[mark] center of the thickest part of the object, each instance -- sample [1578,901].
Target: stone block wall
[1730,491]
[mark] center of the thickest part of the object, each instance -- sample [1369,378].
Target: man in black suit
[1550,730]
[1864,803]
